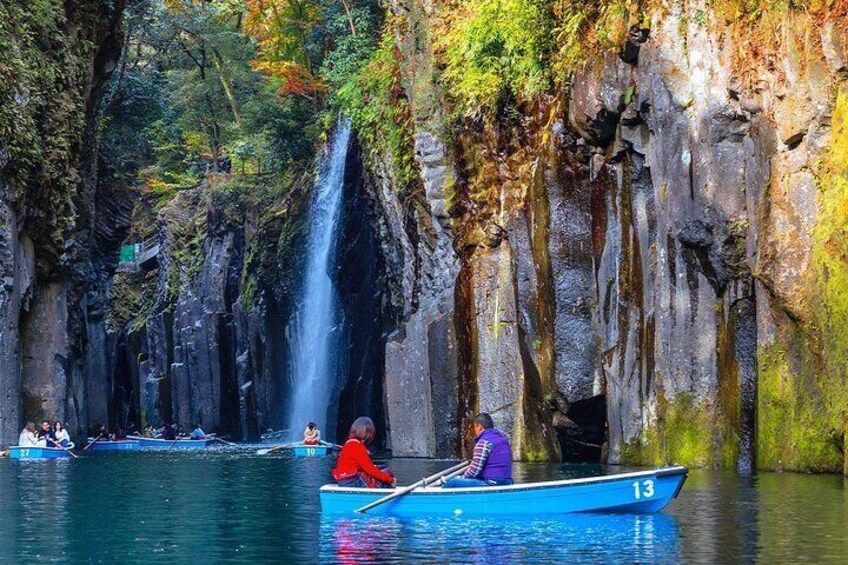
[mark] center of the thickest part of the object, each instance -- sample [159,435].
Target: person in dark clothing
[47,434]
[103,432]
[492,462]
[168,432]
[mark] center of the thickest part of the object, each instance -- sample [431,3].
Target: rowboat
[302,450]
[29,452]
[113,445]
[639,492]
[150,443]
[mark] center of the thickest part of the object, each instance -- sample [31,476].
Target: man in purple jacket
[492,462]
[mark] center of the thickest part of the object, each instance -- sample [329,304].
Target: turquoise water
[230,505]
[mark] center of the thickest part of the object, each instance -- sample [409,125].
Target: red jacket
[355,459]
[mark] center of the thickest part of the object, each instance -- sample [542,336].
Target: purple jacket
[492,457]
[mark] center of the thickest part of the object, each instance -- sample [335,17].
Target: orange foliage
[292,78]
[281,29]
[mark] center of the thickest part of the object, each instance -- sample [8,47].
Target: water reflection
[39,514]
[586,538]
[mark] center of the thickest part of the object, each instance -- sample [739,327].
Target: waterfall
[312,329]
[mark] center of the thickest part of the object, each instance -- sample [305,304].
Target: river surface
[231,505]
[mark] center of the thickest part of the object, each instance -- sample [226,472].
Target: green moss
[45,76]
[803,384]
[830,269]
[792,433]
[684,434]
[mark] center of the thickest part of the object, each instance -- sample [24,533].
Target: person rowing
[492,462]
[354,467]
[311,435]
[167,433]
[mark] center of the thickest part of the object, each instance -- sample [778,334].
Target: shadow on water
[230,505]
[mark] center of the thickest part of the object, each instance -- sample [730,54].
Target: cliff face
[667,232]
[60,224]
[203,336]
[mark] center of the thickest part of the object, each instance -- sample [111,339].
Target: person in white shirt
[29,438]
[62,436]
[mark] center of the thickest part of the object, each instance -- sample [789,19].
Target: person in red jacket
[354,467]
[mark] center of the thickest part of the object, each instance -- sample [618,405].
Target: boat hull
[126,445]
[20,452]
[640,492]
[149,443]
[310,450]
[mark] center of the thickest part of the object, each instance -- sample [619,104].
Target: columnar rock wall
[60,225]
[654,233]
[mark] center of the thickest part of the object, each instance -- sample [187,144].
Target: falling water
[312,337]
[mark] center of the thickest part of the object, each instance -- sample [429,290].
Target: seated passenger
[29,437]
[492,462]
[46,434]
[149,432]
[120,435]
[197,433]
[167,432]
[103,433]
[62,437]
[354,467]
[311,435]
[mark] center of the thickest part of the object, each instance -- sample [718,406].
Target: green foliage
[493,48]
[187,95]
[586,29]
[44,73]
[370,94]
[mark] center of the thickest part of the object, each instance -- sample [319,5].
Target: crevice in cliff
[366,315]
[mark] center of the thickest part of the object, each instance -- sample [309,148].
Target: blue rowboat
[28,452]
[301,450]
[639,492]
[117,445]
[149,443]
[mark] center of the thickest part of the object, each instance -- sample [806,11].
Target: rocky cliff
[61,222]
[665,230]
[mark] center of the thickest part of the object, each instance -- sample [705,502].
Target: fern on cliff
[493,48]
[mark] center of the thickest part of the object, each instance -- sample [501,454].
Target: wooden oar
[272,449]
[225,442]
[93,442]
[60,446]
[422,483]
